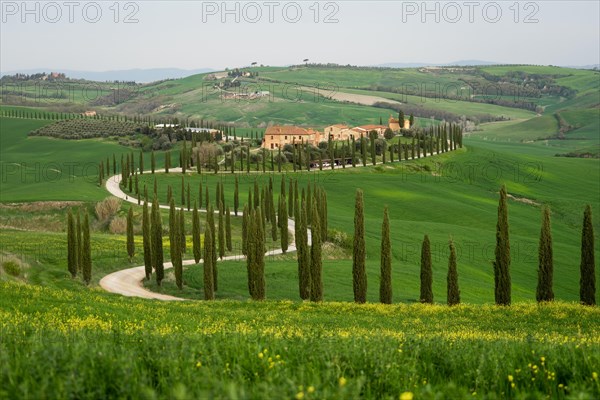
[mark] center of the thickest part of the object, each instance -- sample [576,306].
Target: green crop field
[284,347]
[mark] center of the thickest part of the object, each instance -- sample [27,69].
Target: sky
[109,35]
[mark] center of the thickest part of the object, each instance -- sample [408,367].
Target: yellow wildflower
[342,381]
[406,396]
[595,376]
[310,389]
[260,355]
[510,378]
[299,395]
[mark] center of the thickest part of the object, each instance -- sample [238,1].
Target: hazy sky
[83,35]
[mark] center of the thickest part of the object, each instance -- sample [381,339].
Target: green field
[286,348]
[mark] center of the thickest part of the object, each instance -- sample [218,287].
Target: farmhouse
[89,114]
[278,136]
[394,124]
[366,129]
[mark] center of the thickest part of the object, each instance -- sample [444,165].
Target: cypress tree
[259,256]
[130,238]
[228,229]
[292,189]
[363,150]
[200,195]
[545,266]
[210,218]
[302,255]
[114,164]
[181,232]
[236,197]
[256,195]
[71,245]
[79,248]
[141,162]
[196,246]
[86,251]
[175,248]
[453,293]
[221,237]
[157,247]
[426,272]
[359,275]
[502,262]
[283,224]
[316,280]
[274,222]
[587,267]
[385,283]
[323,214]
[373,153]
[147,241]
[209,288]
[245,222]
[189,197]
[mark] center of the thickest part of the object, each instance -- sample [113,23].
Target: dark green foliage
[236,197]
[316,279]
[359,274]
[283,223]
[228,229]
[302,253]
[545,265]
[210,222]
[79,243]
[175,247]
[209,288]
[453,292]
[221,237]
[587,280]
[502,262]
[181,232]
[157,247]
[256,253]
[130,237]
[385,283]
[147,241]
[86,251]
[426,295]
[196,246]
[245,223]
[71,245]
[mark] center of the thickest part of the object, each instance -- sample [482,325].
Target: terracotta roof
[287,130]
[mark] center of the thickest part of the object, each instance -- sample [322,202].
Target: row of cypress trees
[501,264]
[79,250]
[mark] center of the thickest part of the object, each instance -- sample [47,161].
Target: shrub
[107,209]
[12,268]
[118,225]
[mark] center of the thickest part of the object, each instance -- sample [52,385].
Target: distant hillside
[128,75]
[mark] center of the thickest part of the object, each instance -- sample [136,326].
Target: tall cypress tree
[221,237]
[385,283]
[228,229]
[359,275]
[453,292]
[157,247]
[210,217]
[209,289]
[259,257]
[79,248]
[283,224]
[245,222]
[502,262]
[147,241]
[152,162]
[181,233]
[175,248]
[141,162]
[545,265]
[302,253]
[587,280]
[197,248]
[130,237]
[86,251]
[236,197]
[316,280]
[426,272]
[71,245]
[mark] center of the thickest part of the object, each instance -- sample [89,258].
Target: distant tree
[147,241]
[587,280]
[401,119]
[502,262]
[210,221]
[196,246]
[86,251]
[301,233]
[130,237]
[141,166]
[453,292]
[545,265]
[385,283]
[426,272]
[71,245]
[411,120]
[245,225]
[316,280]
[359,274]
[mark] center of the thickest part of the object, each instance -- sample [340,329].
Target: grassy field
[230,349]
